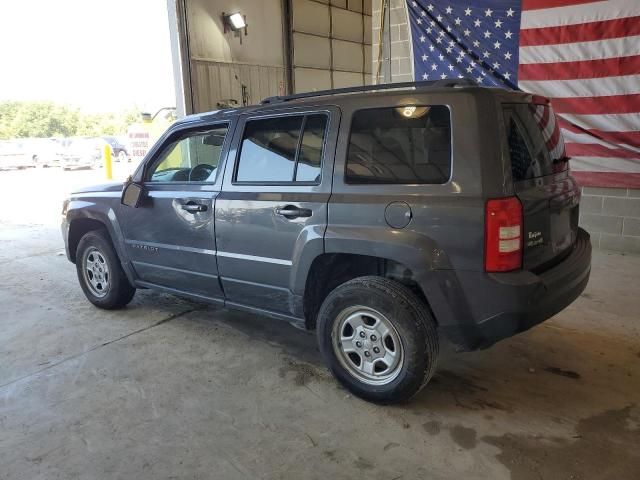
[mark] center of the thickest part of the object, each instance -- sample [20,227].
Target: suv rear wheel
[378,339]
[101,277]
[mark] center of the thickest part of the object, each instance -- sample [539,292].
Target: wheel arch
[329,270]
[80,227]
[83,217]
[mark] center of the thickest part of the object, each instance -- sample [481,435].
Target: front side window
[403,145]
[191,158]
[282,149]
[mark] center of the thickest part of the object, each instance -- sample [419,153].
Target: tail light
[503,235]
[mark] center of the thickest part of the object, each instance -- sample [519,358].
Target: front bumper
[504,304]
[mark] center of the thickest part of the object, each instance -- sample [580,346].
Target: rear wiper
[561,160]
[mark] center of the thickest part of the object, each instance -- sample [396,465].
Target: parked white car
[82,153]
[14,154]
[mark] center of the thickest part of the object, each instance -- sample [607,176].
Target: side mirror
[131,194]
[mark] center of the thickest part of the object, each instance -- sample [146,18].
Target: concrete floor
[167,388]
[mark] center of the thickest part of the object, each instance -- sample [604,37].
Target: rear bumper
[504,304]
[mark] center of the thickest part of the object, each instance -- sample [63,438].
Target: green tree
[47,119]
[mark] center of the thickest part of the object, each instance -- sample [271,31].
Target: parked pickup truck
[379,216]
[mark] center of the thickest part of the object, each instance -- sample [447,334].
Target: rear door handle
[291,211]
[193,207]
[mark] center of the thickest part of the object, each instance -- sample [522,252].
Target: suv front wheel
[378,339]
[101,277]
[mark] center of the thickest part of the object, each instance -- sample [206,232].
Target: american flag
[582,54]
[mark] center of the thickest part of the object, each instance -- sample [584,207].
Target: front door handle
[193,207]
[291,211]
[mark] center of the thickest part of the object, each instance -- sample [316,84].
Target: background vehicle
[82,153]
[119,150]
[379,216]
[45,152]
[14,154]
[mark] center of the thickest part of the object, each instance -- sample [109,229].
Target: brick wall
[612,217]
[401,60]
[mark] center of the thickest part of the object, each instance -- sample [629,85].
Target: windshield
[535,142]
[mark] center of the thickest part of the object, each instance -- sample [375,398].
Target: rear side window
[282,149]
[404,145]
[535,142]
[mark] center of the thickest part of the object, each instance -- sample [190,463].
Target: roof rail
[371,88]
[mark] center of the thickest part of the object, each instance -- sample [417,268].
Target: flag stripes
[584,55]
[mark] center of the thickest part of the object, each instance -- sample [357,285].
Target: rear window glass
[401,145]
[536,146]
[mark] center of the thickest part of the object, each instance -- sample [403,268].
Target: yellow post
[107,162]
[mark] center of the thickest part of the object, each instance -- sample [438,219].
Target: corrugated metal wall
[331,43]
[312,44]
[219,81]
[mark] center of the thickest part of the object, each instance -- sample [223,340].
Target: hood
[105,187]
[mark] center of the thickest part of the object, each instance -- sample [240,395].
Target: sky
[99,56]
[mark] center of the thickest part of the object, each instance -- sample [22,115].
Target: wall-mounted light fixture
[235,22]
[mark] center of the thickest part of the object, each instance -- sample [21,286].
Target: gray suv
[381,216]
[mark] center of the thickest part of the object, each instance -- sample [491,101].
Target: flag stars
[476,43]
[441,57]
[510,12]
[439,40]
[431,48]
[434,66]
[498,23]
[430,8]
[419,21]
[449,49]
[449,28]
[429,30]
[497,45]
[423,13]
[458,21]
[469,69]
[467,32]
[439,18]
[450,68]
[508,34]
[488,12]
[507,76]
[423,38]
[424,57]
[507,55]
[479,79]
[467,12]
[496,65]
[477,22]
[449,10]
[441,33]
[487,34]
[486,54]
[425,76]
[443,76]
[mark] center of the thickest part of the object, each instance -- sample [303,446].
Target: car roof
[340,95]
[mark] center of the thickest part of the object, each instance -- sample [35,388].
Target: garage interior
[169,388]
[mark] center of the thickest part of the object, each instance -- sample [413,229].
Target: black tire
[119,291]
[412,322]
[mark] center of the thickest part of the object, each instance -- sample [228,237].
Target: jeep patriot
[384,217]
